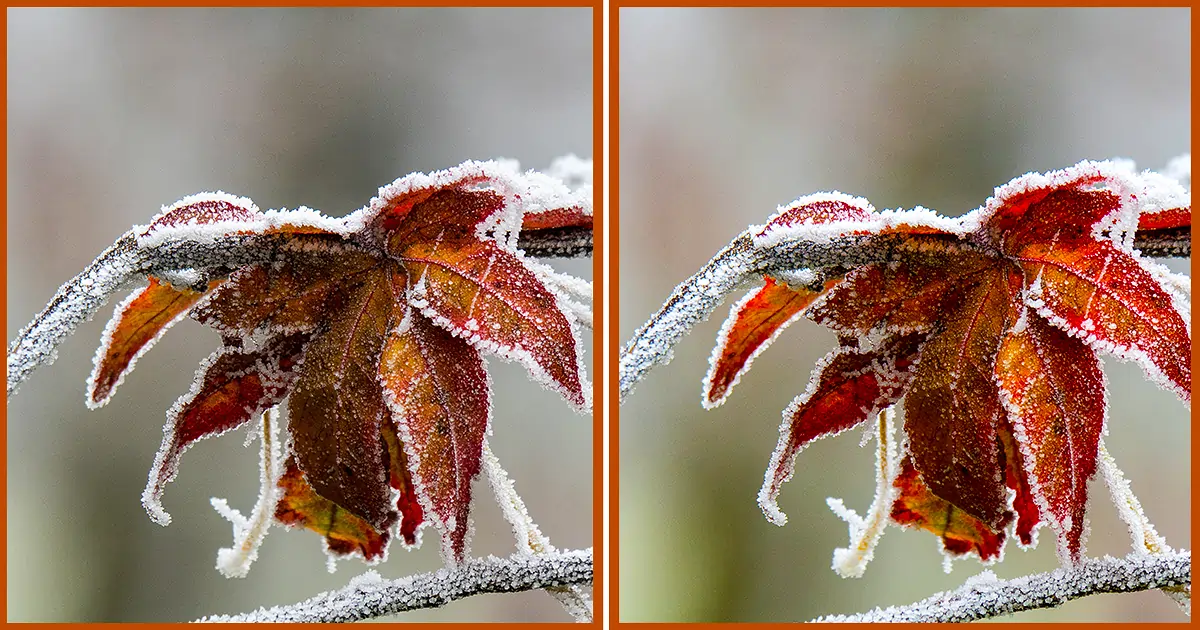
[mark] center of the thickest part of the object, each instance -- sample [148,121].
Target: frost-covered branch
[126,262]
[744,260]
[369,595]
[985,596]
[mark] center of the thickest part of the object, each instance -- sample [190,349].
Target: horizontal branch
[743,261]
[370,596]
[127,262]
[985,596]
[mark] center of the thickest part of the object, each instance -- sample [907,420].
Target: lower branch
[369,596]
[984,596]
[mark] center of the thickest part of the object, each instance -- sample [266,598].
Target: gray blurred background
[725,114]
[113,113]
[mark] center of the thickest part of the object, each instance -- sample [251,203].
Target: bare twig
[369,596]
[986,596]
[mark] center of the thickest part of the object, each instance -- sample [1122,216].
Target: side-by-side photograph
[603,313]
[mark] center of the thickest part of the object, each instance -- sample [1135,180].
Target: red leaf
[1054,392]
[556,218]
[139,321]
[961,533]
[1165,219]
[952,411]
[439,393]
[204,208]
[345,534]
[1107,298]
[1063,207]
[821,208]
[232,387]
[848,387]
[753,324]
[490,297]
[412,516]
[337,408]
[1028,514]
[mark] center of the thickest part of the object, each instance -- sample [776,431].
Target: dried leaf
[345,534]
[961,533]
[1053,388]
[438,390]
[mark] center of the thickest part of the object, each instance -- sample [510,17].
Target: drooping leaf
[412,515]
[953,410]
[438,390]
[1053,388]
[753,324]
[345,534]
[232,387]
[337,408]
[848,387]
[961,533]
[140,321]
[1016,477]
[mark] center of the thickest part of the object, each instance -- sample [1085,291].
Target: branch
[984,596]
[127,261]
[743,260]
[369,596]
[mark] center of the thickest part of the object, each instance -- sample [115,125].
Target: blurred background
[726,114]
[114,113]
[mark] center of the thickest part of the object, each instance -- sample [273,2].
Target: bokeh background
[113,113]
[726,114]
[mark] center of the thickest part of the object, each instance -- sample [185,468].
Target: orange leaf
[345,533]
[961,533]
[1054,391]
[488,296]
[439,393]
[1105,297]
[753,324]
[139,322]
[953,411]
[1016,477]
[337,408]
[556,218]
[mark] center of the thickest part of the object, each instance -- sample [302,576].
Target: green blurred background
[113,113]
[725,114]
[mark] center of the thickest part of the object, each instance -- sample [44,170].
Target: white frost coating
[418,298]
[985,597]
[443,524]
[865,532]
[567,290]
[719,348]
[370,597]
[529,538]
[575,173]
[106,339]
[248,534]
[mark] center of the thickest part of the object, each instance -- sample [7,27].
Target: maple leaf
[373,328]
[987,327]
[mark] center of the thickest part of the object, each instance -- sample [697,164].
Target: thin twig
[369,596]
[125,262]
[986,596]
[742,261]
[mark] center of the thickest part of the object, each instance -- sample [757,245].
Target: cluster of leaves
[373,327]
[988,328]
